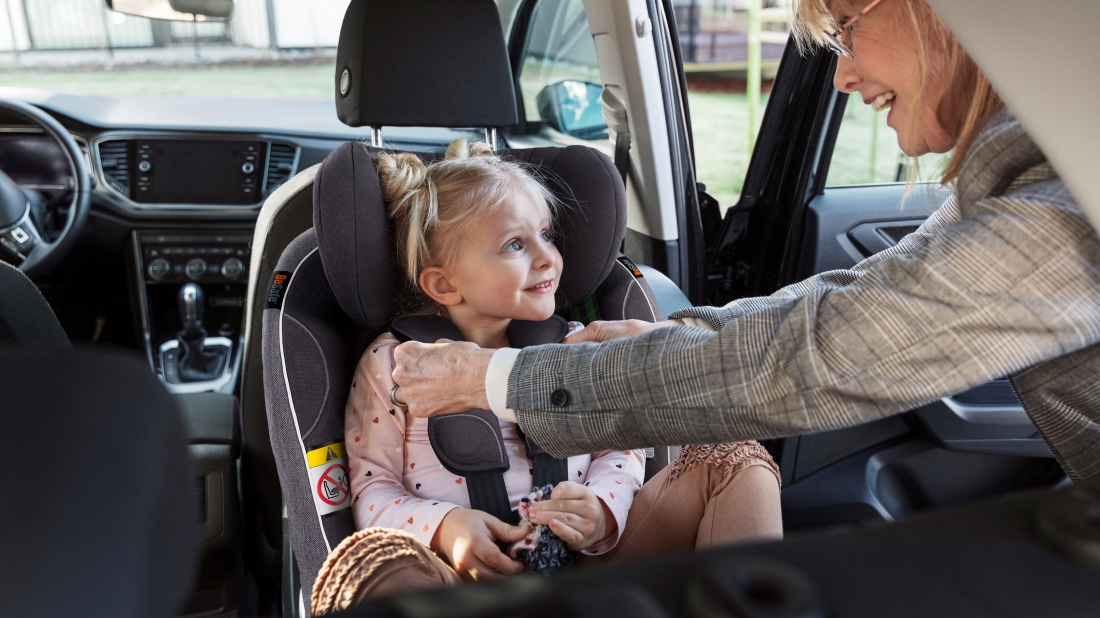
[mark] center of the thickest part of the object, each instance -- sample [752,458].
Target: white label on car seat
[328,478]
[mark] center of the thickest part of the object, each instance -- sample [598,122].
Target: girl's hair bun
[399,175]
[461,149]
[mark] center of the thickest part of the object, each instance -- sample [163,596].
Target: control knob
[195,269]
[232,268]
[158,269]
[145,166]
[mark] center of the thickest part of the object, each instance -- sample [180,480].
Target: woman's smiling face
[886,74]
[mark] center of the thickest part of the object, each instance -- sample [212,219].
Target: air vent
[280,166]
[114,157]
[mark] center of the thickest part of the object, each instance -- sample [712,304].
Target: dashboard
[186,158]
[178,185]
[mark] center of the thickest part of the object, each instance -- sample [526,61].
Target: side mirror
[174,10]
[572,107]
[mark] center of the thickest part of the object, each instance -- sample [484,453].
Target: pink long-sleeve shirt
[398,482]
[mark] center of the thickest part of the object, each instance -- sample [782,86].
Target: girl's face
[508,266]
[885,65]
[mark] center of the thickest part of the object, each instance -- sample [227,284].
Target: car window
[267,49]
[867,152]
[560,77]
[714,44]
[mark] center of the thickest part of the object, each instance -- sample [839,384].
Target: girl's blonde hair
[968,101]
[433,206]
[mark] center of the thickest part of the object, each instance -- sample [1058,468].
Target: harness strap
[488,493]
[547,469]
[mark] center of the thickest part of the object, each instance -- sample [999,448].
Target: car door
[822,193]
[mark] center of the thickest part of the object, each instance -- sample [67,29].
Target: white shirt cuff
[696,322]
[496,383]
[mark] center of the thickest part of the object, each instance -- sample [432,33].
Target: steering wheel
[20,236]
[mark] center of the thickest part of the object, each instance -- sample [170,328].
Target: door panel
[847,224]
[971,445]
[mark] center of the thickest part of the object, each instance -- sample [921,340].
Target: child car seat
[338,283]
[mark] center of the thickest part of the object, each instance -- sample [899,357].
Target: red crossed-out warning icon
[332,486]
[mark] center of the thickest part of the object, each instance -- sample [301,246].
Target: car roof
[1044,60]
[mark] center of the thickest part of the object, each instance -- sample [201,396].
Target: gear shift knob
[191,302]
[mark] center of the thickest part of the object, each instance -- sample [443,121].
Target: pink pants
[711,495]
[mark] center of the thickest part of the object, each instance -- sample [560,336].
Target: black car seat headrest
[427,63]
[355,240]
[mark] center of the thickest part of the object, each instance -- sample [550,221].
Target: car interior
[214,238]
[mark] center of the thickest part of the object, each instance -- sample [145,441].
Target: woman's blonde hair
[968,101]
[433,206]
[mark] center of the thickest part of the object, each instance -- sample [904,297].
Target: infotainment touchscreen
[196,172]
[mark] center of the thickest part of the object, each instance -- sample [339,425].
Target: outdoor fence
[32,25]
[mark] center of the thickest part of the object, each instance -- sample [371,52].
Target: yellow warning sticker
[325,454]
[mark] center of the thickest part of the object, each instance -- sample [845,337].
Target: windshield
[267,49]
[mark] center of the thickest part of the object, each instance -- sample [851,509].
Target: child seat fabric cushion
[355,238]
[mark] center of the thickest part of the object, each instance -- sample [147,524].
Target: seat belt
[614,114]
[469,444]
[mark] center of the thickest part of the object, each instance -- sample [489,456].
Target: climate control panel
[204,258]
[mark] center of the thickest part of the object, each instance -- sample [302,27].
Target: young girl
[474,233]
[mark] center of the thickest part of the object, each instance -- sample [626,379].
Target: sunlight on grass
[719,123]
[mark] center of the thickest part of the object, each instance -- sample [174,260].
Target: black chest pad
[469,444]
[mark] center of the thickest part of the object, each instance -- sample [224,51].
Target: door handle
[991,414]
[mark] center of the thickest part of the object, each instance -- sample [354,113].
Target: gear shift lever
[192,303]
[196,364]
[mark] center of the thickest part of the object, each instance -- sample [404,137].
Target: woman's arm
[1010,285]
[452,377]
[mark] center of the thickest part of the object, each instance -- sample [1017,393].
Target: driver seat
[25,317]
[335,287]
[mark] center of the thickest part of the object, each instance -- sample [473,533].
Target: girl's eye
[513,246]
[547,236]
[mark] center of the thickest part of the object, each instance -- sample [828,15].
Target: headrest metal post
[376,137]
[491,138]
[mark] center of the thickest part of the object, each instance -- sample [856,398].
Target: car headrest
[424,63]
[355,237]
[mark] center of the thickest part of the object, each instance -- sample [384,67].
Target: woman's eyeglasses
[833,40]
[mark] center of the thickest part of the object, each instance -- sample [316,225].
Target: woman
[1001,280]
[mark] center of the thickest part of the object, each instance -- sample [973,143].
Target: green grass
[720,125]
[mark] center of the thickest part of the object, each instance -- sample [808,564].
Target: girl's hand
[576,515]
[466,537]
[600,331]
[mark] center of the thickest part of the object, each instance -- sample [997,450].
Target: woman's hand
[576,515]
[466,537]
[599,331]
[442,377]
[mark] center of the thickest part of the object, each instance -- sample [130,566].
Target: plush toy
[541,550]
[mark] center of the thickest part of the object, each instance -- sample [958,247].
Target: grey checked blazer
[1004,279]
